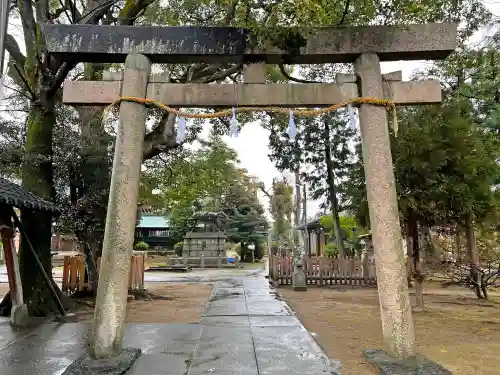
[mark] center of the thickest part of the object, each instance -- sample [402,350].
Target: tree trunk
[95,176]
[417,270]
[339,241]
[437,252]
[458,244]
[476,275]
[92,248]
[297,206]
[38,179]
[409,256]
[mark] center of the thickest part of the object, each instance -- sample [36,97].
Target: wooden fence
[325,271]
[74,273]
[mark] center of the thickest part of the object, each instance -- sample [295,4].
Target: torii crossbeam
[251,94]
[177,45]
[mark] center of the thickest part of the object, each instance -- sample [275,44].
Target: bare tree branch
[95,10]
[231,12]
[162,137]
[263,189]
[21,80]
[155,144]
[61,10]
[199,71]
[219,76]
[346,12]
[57,13]
[14,51]
[22,93]
[60,76]
[131,10]
[71,6]
[29,27]
[294,79]
[42,11]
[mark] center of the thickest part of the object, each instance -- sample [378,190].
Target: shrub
[331,250]
[141,246]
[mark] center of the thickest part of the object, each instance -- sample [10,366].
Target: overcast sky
[252,143]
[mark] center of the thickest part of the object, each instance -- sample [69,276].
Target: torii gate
[141,46]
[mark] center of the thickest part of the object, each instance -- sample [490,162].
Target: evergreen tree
[322,147]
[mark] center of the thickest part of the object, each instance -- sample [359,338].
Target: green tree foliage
[350,230]
[446,166]
[281,208]
[245,222]
[322,147]
[211,175]
[175,182]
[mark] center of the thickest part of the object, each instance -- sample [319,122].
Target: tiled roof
[310,224]
[153,221]
[13,195]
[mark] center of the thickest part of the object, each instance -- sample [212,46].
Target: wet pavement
[245,330]
[194,276]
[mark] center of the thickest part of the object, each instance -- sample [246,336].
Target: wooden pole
[19,311]
[46,278]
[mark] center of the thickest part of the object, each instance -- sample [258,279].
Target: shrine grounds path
[245,329]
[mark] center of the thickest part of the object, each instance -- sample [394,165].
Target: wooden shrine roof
[14,195]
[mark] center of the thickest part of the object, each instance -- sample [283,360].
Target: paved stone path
[195,276]
[245,330]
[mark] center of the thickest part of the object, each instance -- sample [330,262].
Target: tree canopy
[212,176]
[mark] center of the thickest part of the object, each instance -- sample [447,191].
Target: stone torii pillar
[111,303]
[394,299]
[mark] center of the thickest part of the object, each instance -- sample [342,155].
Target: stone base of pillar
[19,315]
[299,281]
[109,366]
[417,365]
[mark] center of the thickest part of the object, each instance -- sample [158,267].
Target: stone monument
[205,244]
[299,276]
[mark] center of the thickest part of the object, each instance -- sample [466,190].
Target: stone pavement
[195,276]
[245,330]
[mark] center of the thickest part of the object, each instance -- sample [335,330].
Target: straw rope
[390,105]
